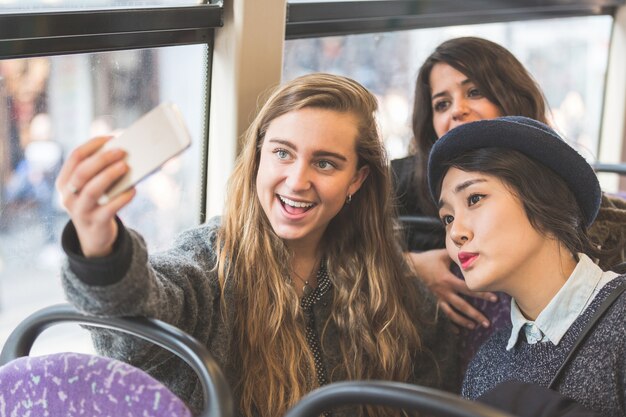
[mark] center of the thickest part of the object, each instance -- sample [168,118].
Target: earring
[349,199]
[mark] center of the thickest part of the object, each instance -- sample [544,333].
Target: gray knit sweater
[595,376]
[180,287]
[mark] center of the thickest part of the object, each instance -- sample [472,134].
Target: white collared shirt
[552,323]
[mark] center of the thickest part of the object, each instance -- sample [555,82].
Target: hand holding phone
[152,140]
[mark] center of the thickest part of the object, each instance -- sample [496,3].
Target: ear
[358,179]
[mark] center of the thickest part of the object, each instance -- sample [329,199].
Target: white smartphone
[149,142]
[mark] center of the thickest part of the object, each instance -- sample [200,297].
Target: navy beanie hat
[530,137]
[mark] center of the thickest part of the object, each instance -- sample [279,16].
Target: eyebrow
[443,93]
[316,154]
[462,186]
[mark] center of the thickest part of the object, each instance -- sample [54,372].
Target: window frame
[43,33]
[317,19]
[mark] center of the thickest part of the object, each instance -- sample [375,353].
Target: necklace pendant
[306,289]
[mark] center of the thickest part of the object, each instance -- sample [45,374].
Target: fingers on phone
[84,151]
[103,169]
[115,204]
[103,178]
[75,171]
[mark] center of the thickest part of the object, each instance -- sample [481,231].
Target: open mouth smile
[295,207]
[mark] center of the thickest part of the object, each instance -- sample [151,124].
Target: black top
[418,236]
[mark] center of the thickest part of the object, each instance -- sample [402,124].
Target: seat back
[76,384]
[51,375]
[421,232]
[391,394]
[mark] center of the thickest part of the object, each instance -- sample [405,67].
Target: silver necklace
[306,287]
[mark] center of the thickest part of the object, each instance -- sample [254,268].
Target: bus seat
[76,384]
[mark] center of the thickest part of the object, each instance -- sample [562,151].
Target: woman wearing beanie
[516,202]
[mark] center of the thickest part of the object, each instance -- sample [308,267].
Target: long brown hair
[372,302]
[501,78]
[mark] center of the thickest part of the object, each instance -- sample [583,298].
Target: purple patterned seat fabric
[76,384]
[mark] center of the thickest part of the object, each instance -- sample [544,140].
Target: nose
[460,109]
[298,177]
[460,233]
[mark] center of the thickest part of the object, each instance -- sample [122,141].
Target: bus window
[48,106]
[567,56]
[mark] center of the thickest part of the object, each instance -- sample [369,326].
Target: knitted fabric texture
[595,376]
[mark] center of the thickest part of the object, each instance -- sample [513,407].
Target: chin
[290,232]
[475,284]
[287,234]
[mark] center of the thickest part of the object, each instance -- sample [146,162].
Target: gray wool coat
[180,286]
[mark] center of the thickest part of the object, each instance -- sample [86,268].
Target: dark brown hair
[502,79]
[548,202]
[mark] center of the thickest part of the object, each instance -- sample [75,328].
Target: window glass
[50,105]
[568,58]
[54,5]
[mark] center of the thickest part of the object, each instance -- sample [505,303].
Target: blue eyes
[322,164]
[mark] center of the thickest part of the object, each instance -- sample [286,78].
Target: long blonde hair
[373,307]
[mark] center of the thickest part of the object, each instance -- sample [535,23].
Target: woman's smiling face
[457,100]
[307,169]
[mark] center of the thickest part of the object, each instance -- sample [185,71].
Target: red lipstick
[467,259]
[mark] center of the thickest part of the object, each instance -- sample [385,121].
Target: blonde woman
[298,284]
